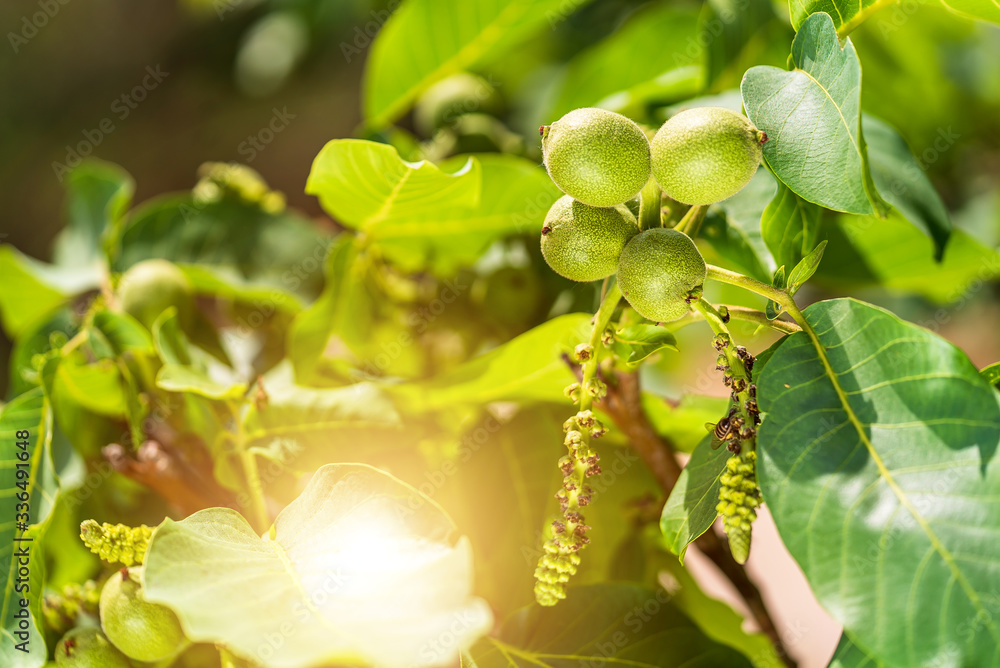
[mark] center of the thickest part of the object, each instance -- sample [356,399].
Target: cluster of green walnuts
[602,160]
[128,627]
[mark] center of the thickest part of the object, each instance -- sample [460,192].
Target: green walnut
[142,630]
[88,647]
[659,271]
[705,155]
[583,242]
[152,286]
[596,156]
[450,98]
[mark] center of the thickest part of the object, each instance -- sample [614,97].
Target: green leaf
[31,289]
[790,226]
[985,10]
[96,387]
[601,624]
[849,655]
[772,309]
[311,426]
[812,117]
[733,227]
[122,332]
[880,473]
[362,567]
[902,181]
[401,67]
[516,194]
[51,468]
[262,296]
[635,64]
[421,216]
[635,343]
[190,369]
[341,317]
[36,340]
[98,195]
[991,374]
[892,253]
[690,510]
[527,368]
[805,269]
[846,15]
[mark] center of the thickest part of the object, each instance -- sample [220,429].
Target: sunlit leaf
[32,289]
[849,655]
[361,567]
[733,227]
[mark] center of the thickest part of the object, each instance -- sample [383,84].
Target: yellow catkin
[116,543]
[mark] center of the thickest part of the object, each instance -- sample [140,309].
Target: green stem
[250,472]
[747,283]
[601,320]
[649,205]
[691,222]
[760,318]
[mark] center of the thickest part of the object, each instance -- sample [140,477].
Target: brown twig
[623,405]
[156,468]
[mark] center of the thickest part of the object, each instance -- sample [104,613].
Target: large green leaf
[790,227]
[879,469]
[368,187]
[527,368]
[849,655]
[422,217]
[608,624]
[635,64]
[891,252]
[460,34]
[360,568]
[902,181]
[98,195]
[812,117]
[690,510]
[49,467]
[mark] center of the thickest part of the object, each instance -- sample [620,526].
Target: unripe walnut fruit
[596,156]
[706,154]
[659,271]
[583,242]
[152,286]
[88,647]
[142,630]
